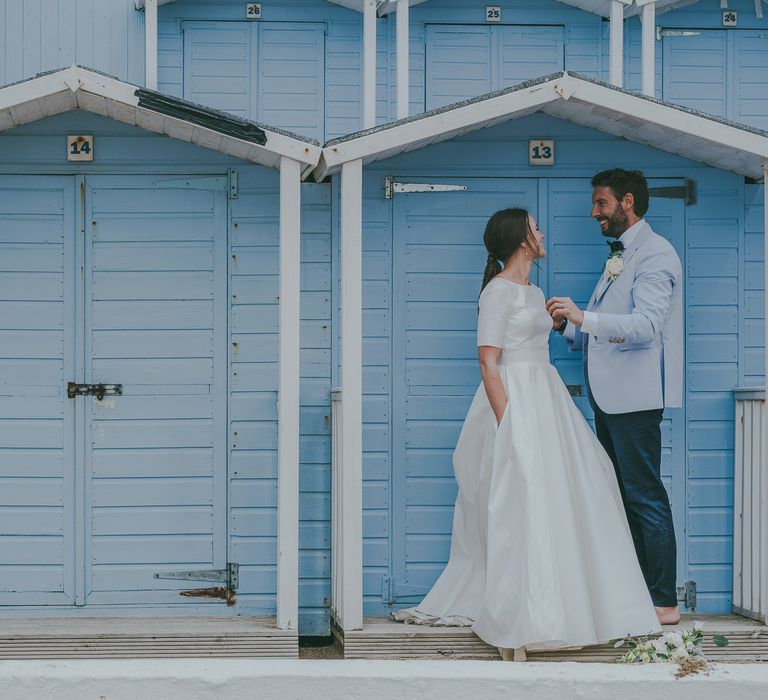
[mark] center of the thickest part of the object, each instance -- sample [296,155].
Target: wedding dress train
[541,552]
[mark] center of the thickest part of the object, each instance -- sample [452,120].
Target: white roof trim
[383,7]
[140,4]
[603,7]
[583,102]
[80,88]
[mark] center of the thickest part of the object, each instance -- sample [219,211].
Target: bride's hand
[564,307]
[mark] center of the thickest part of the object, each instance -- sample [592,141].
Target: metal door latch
[97,390]
[575,389]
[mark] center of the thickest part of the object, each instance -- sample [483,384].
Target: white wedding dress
[541,552]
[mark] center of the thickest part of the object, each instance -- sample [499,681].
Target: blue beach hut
[149,386]
[414,248]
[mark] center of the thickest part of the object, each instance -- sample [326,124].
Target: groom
[631,335]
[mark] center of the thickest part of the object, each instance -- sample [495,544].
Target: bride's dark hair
[504,233]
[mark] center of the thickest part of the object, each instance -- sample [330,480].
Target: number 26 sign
[541,152]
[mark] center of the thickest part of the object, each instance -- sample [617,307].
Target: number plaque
[492,13]
[253,10]
[541,152]
[79,147]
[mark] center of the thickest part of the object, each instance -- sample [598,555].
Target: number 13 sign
[541,153]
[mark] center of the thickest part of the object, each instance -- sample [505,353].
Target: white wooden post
[403,41]
[649,49]
[150,41]
[369,64]
[352,390]
[288,397]
[765,284]
[616,56]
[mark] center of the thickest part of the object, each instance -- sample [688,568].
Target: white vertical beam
[352,390]
[649,49]
[288,397]
[765,274]
[369,64]
[616,57]
[150,29]
[403,41]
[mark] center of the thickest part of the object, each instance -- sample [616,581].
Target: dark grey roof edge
[242,126]
[532,83]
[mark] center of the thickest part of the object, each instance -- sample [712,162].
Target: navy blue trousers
[633,442]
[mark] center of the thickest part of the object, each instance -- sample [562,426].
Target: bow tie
[616,246]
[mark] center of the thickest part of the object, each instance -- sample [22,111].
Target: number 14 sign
[541,152]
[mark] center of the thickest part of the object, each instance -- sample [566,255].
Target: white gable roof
[81,88]
[629,115]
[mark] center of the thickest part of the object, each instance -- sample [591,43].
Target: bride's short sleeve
[492,320]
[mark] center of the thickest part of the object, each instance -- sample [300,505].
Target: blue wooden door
[576,254]
[111,280]
[154,321]
[439,259]
[37,357]
[273,72]
[464,61]
[722,72]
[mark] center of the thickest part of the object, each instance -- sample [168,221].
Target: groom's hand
[564,307]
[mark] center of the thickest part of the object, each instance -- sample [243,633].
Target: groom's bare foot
[668,616]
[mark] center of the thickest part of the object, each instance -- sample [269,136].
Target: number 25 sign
[541,153]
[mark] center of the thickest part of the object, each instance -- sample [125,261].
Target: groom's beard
[616,224]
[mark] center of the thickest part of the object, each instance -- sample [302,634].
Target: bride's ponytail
[492,268]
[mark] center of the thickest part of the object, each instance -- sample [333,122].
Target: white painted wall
[195,679]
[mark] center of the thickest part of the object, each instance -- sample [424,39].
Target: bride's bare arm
[494,387]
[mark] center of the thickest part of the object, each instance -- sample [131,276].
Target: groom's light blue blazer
[632,335]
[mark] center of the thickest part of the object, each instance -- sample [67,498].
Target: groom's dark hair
[622,182]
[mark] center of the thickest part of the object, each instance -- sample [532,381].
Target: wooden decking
[382,638]
[139,638]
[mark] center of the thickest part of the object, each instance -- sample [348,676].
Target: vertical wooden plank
[102,36]
[150,41]
[288,397]
[220,356]
[352,388]
[13,36]
[82,319]
[747,532]
[83,35]
[754,495]
[31,46]
[369,64]
[616,61]
[738,506]
[403,54]
[763,544]
[649,46]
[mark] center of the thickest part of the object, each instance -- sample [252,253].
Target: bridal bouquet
[671,646]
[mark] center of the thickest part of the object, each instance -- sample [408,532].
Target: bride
[541,552]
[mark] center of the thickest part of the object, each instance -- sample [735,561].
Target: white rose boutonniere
[614,267]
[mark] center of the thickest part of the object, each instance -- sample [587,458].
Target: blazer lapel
[640,238]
